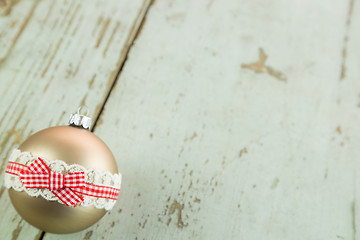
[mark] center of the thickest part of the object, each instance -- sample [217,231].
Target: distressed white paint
[183,109]
[54,56]
[248,155]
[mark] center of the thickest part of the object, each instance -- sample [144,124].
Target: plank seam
[42,235]
[134,31]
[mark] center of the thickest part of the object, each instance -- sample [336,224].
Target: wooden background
[229,119]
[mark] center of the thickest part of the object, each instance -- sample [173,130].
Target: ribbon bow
[38,175]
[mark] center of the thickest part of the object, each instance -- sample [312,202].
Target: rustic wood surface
[228,119]
[55,56]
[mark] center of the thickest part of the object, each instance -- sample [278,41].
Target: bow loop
[38,166]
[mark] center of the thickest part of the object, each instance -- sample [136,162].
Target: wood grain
[55,56]
[212,150]
[228,119]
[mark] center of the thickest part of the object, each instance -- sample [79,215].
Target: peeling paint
[179,207]
[260,67]
[5,7]
[16,231]
[72,17]
[102,32]
[193,136]
[353,218]
[91,82]
[210,3]
[346,40]
[9,134]
[88,235]
[275,183]
[117,24]
[326,174]
[176,17]
[143,225]
[52,57]
[2,189]
[241,153]
[338,129]
[21,30]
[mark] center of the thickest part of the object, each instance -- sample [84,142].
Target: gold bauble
[72,145]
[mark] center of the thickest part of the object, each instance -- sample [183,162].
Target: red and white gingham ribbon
[65,187]
[38,175]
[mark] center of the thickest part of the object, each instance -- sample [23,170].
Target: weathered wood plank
[55,56]
[217,139]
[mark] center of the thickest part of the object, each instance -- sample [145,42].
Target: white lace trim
[92,176]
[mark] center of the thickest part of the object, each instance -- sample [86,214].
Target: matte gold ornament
[76,147]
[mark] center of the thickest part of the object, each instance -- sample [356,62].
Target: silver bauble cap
[80,120]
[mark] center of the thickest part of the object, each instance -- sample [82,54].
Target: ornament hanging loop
[79,119]
[82,109]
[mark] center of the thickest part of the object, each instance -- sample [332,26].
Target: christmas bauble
[64,150]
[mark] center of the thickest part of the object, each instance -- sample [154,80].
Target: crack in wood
[42,235]
[135,28]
